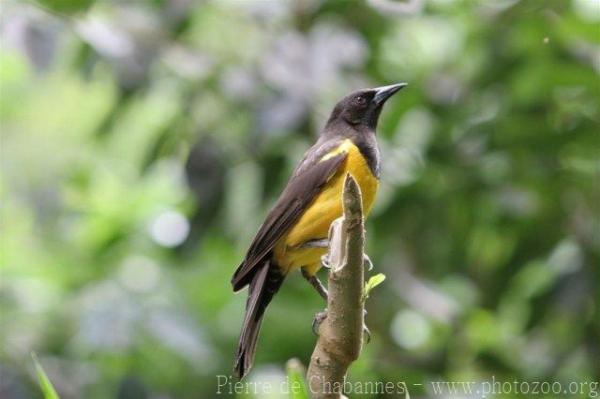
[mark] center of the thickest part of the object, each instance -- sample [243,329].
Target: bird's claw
[325,261]
[367,334]
[367,262]
[319,317]
[366,330]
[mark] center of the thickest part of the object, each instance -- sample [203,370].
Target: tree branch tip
[340,340]
[352,196]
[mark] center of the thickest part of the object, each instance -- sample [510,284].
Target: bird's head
[362,108]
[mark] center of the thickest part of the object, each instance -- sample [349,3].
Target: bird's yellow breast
[325,208]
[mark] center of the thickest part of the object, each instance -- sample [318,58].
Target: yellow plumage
[325,208]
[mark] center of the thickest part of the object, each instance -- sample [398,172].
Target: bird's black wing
[307,181]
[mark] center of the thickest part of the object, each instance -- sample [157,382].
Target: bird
[294,234]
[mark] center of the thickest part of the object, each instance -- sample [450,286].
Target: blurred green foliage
[144,141]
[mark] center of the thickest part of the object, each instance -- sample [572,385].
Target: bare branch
[341,333]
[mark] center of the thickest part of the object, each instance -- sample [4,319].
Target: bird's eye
[360,100]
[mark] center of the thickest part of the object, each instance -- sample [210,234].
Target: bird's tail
[265,283]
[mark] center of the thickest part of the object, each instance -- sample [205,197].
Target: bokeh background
[143,142]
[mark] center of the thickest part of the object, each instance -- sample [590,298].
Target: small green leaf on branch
[373,282]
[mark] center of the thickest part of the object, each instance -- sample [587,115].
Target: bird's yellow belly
[325,208]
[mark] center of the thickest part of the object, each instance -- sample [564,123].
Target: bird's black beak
[383,93]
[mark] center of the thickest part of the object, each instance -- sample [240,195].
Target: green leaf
[297,385]
[47,388]
[373,282]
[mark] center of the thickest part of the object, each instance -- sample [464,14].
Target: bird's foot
[367,262]
[367,334]
[366,330]
[319,317]
[324,243]
[325,261]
